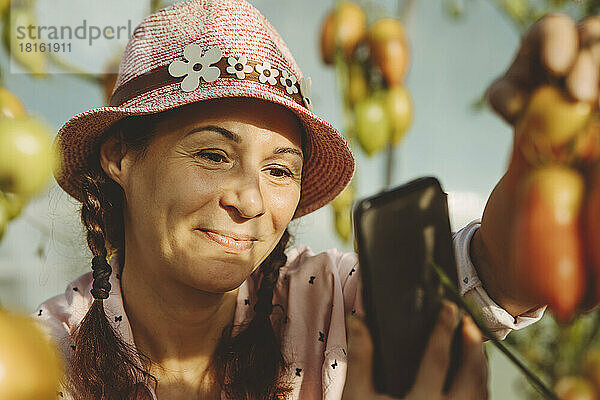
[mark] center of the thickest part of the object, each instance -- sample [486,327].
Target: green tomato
[10,105]
[35,62]
[12,203]
[358,88]
[373,128]
[26,157]
[344,199]
[343,223]
[516,9]
[3,219]
[400,111]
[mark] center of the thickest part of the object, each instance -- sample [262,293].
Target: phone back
[397,233]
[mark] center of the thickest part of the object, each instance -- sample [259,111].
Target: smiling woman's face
[213,194]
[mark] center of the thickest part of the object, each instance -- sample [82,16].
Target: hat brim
[328,165]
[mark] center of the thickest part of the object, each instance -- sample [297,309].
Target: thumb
[359,378]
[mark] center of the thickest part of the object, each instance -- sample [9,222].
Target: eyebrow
[226,133]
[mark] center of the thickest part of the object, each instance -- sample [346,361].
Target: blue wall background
[452,64]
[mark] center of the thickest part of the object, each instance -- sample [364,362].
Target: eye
[280,172]
[212,156]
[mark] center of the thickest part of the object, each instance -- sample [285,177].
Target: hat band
[160,76]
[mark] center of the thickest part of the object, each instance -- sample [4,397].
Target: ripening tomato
[547,247]
[550,121]
[592,225]
[344,27]
[389,50]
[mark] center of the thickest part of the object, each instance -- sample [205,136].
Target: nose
[244,195]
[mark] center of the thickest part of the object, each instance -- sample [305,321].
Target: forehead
[246,112]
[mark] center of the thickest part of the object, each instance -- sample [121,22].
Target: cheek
[283,203]
[189,190]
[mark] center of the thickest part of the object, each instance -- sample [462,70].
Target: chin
[216,276]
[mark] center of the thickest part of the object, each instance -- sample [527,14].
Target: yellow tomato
[10,105]
[30,367]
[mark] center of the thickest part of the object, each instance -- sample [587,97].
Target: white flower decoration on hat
[289,82]
[197,66]
[239,67]
[267,73]
[305,84]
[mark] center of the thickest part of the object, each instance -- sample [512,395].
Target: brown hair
[249,365]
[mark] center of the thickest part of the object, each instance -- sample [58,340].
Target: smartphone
[397,233]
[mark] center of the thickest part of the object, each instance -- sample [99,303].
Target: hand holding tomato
[531,248]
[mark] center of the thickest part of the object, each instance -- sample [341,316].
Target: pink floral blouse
[312,296]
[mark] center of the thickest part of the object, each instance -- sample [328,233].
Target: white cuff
[497,319]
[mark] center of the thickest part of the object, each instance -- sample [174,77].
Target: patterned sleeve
[351,284]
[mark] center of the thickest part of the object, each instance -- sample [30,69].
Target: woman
[189,179]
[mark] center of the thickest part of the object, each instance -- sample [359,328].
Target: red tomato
[548,255]
[592,226]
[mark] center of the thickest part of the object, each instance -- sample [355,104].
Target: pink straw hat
[205,49]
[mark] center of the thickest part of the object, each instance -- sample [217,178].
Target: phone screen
[397,233]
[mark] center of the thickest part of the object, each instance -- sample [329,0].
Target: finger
[507,99]
[582,81]
[359,378]
[559,43]
[589,35]
[471,381]
[550,45]
[434,364]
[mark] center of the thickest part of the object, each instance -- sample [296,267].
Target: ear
[114,159]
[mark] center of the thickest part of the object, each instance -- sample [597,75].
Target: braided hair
[248,365]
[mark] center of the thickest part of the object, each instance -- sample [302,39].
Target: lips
[233,242]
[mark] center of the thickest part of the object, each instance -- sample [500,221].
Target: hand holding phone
[399,233]
[470,382]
